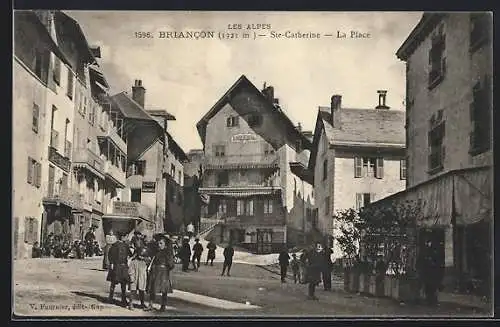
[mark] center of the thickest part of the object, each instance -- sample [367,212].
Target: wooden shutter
[38,174]
[57,71]
[27,222]
[358,167]
[379,168]
[70,84]
[359,201]
[35,230]
[30,171]
[36,116]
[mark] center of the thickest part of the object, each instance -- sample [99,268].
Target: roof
[130,108]
[244,82]
[31,17]
[360,127]
[176,148]
[419,33]
[161,113]
[302,172]
[365,126]
[97,76]
[79,36]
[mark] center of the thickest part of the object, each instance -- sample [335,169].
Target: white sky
[186,77]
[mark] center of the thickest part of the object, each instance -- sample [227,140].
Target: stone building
[449,140]
[249,144]
[192,179]
[358,156]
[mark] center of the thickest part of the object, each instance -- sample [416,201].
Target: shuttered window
[358,167]
[30,170]
[69,91]
[38,174]
[325,169]
[359,201]
[36,116]
[30,230]
[379,168]
[240,207]
[249,208]
[57,71]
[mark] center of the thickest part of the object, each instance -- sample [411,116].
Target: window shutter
[30,170]
[38,174]
[228,122]
[359,201]
[443,155]
[358,165]
[35,230]
[379,169]
[27,229]
[36,115]
[236,121]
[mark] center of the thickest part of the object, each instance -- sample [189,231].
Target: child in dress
[295,265]
[138,271]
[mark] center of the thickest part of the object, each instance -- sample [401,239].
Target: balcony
[133,209]
[115,174]
[237,191]
[97,206]
[87,159]
[113,136]
[242,161]
[59,160]
[61,195]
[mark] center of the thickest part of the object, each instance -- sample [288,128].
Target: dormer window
[232,121]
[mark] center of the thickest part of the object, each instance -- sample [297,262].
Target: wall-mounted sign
[148,187]
[126,208]
[244,138]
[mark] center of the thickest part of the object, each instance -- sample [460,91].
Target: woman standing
[162,264]
[110,240]
[315,265]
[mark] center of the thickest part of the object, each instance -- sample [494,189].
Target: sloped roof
[241,82]
[176,148]
[130,108]
[77,33]
[385,126]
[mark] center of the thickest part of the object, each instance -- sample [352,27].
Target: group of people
[140,267]
[61,246]
[313,267]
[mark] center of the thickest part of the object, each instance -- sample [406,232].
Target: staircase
[207,225]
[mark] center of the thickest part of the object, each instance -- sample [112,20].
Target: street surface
[69,287]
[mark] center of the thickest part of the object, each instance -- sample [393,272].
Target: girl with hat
[138,271]
[160,267]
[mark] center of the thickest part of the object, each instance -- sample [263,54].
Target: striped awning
[124,217]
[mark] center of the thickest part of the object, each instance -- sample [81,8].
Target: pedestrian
[315,263]
[185,254]
[211,252]
[283,260]
[302,267]
[110,240]
[326,274]
[160,267]
[89,242]
[118,273]
[138,271]
[197,251]
[36,251]
[190,230]
[294,264]
[228,259]
[430,272]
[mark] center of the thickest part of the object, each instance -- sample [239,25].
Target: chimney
[381,99]
[269,93]
[138,92]
[335,105]
[299,127]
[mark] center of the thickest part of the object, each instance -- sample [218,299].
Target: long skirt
[159,281]
[119,274]
[105,259]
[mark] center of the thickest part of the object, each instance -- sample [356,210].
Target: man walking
[430,272]
[185,254]
[315,263]
[197,251]
[118,273]
[326,274]
[228,259]
[283,262]
[211,252]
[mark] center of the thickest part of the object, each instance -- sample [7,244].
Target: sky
[187,77]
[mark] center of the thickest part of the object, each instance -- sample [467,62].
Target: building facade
[358,157]
[192,178]
[249,144]
[449,138]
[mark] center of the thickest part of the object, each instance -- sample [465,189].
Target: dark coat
[315,265]
[162,264]
[211,250]
[185,252]
[328,264]
[283,258]
[118,257]
[228,253]
[197,249]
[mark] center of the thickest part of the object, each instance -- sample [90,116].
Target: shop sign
[243,138]
[148,187]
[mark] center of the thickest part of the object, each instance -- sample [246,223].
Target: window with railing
[480,30]
[437,60]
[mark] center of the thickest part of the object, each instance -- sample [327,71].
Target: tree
[348,221]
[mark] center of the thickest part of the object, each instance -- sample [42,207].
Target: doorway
[264,241]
